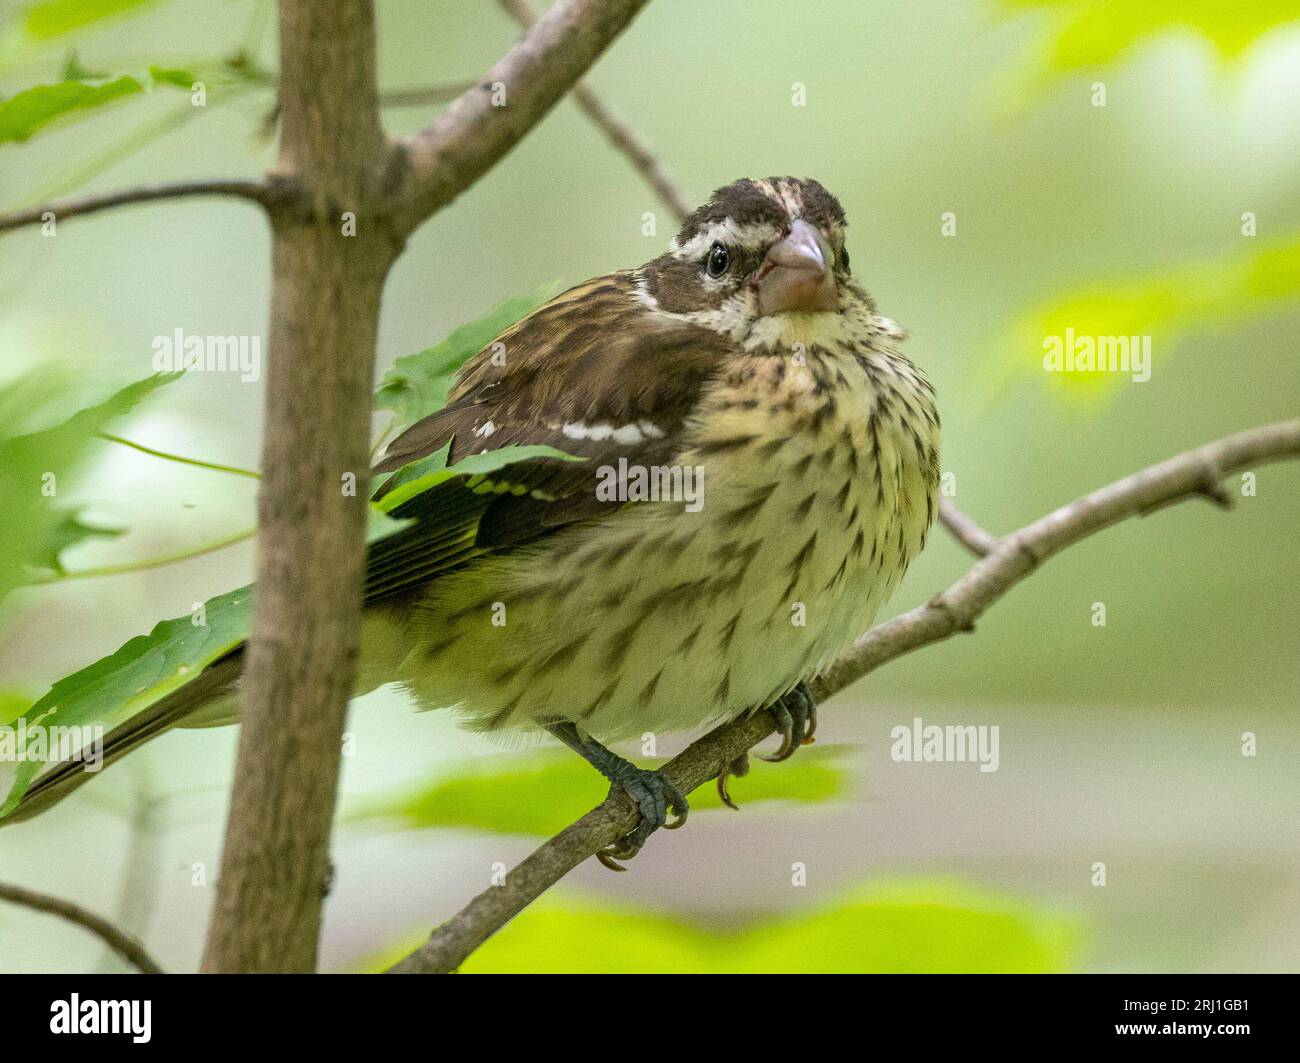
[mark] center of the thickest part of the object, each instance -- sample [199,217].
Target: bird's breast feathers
[802,484]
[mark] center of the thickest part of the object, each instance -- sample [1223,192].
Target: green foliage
[1210,293]
[543,793]
[72,529]
[29,111]
[138,674]
[34,529]
[181,79]
[903,927]
[417,384]
[1086,34]
[53,18]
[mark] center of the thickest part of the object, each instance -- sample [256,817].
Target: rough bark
[312,502]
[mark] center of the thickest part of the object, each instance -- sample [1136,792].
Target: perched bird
[760,467]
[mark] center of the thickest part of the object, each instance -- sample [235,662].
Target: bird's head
[756,250]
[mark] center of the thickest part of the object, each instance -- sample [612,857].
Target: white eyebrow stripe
[752,237]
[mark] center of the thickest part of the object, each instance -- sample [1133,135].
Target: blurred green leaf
[417,384]
[1162,304]
[544,793]
[1086,34]
[72,529]
[73,70]
[52,18]
[33,526]
[182,79]
[902,927]
[29,111]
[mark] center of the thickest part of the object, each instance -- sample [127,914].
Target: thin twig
[123,944]
[262,192]
[622,136]
[966,531]
[956,609]
[424,95]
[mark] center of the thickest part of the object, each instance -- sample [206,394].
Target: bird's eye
[844,258]
[718,260]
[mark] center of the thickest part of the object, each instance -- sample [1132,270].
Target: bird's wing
[593,373]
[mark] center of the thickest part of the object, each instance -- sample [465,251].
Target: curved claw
[654,795]
[738,767]
[606,857]
[795,714]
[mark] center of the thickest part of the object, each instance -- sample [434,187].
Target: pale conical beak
[796,275]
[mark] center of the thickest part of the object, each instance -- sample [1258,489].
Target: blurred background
[1009,170]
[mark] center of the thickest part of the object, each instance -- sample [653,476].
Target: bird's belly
[659,618]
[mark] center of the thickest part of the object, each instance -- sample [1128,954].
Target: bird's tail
[207,700]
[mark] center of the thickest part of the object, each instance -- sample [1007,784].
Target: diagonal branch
[622,137]
[1008,561]
[966,531]
[266,193]
[123,944]
[483,124]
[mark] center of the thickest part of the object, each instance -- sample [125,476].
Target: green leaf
[1164,304]
[543,793]
[417,384]
[35,467]
[477,466]
[934,926]
[1084,35]
[52,18]
[138,674]
[74,71]
[182,79]
[29,111]
[71,530]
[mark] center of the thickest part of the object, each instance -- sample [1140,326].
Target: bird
[750,465]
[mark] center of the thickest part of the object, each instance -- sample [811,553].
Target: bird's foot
[654,795]
[737,768]
[796,717]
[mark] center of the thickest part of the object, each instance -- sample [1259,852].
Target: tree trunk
[312,508]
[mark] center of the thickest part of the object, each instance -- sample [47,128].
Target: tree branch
[966,531]
[473,132]
[266,193]
[123,944]
[622,137]
[1007,561]
[328,275]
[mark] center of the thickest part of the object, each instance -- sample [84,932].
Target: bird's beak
[796,275]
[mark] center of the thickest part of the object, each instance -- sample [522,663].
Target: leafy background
[1119,744]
